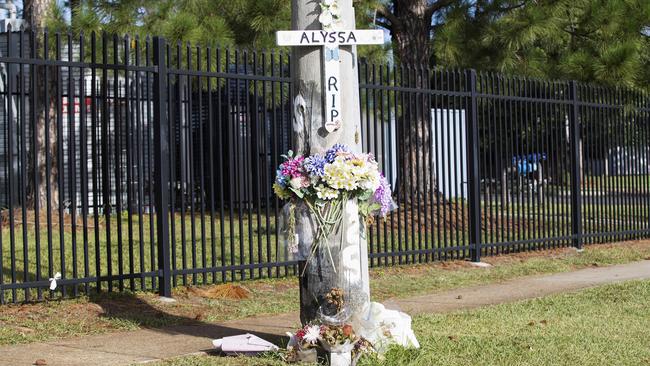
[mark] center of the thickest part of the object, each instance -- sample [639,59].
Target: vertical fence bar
[130,131]
[140,128]
[36,184]
[575,140]
[83,145]
[23,162]
[59,159]
[473,165]
[105,175]
[72,174]
[161,168]
[11,174]
[117,153]
[94,120]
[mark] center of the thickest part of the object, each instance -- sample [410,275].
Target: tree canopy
[224,22]
[601,41]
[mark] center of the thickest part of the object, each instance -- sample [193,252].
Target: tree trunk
[411,34]
[38,196]
[35,11]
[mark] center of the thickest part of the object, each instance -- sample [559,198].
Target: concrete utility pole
[309,126]
[311,133]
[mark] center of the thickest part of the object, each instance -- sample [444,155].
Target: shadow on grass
[160,318]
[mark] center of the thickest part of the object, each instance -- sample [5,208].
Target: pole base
[480,264]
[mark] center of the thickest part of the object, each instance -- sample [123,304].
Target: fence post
[474,183]
[576,166]
[161,166]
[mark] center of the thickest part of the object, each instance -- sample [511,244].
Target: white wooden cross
[330,40]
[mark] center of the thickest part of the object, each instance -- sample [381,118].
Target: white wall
[449,153]
[449,138]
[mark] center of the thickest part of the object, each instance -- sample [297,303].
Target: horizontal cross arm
[331,38]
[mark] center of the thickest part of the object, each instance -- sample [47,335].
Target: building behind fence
[165,156]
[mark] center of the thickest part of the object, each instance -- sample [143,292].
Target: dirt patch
[225,291]
[26,318]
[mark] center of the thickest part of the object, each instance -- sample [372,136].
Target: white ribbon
[53,284]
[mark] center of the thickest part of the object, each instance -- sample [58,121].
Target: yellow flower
[282,193]
[340,175]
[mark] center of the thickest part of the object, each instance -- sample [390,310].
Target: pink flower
[293,167]
[347,330]
[300,334]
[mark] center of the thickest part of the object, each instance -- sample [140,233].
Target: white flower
[328,2]
[296,183]
[312,334]
[335,9]
[341,174]
[371,180]
[326,18]
[326,193]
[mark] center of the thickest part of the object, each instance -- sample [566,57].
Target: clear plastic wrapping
[334,278]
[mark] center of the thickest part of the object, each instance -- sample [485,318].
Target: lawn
[617,183]
[108,312]
[608,325]
[123,245]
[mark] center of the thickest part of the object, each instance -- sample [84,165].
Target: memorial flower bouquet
[331,338]
[324,183]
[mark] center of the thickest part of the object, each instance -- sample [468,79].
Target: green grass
[243,241]
[623,183]
[112,311]
[531,220]
[630,209]
[609,325]
[247,240]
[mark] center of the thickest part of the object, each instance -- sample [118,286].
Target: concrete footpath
[147,345]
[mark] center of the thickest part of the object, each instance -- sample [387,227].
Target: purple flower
[331,154]
[383,196]
[315,165]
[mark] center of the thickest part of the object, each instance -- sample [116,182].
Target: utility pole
[326,112]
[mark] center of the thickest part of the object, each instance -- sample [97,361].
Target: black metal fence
[129,163]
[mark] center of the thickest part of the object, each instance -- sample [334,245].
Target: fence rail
[130,163]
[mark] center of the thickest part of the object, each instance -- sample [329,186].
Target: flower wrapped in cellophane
[324,184]
[331,338]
